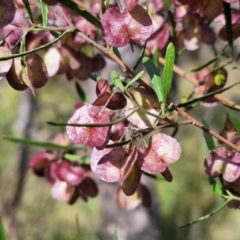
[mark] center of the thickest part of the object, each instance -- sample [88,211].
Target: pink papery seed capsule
[40,162]
[68,172]
[107,163]
[215,162]
[63,192]
[91,136]
[7,10]
[147,100]
[115,164]
[118,130]
[5,65]
[229,132]
[102,87]
[130,22]
[141,196]
[114,100]
[162,150]
[131,173]
[88,188]
[232,168]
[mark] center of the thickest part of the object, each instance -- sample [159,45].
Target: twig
[176,69]
[180,72]
[191,79]
[167,125]
[114,57]
[227,101]
[201,126]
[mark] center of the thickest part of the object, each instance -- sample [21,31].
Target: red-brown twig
[191,79]
[114,57]
[176,69]
[201,126]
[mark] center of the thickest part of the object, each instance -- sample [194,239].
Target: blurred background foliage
[37,216]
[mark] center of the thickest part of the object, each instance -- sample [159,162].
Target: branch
[191,79]
[36,49]
[180,72]
[209,131]
[114,57]
[227,101]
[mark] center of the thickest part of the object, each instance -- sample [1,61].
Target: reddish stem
[201,126]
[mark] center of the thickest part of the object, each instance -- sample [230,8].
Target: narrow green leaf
[208,215]
[35,49]
[95,77]
[231,107]
[99,236]
[85,160]
[157,86]
[157,177]
[3,234]
[115,50]
[72,157]
[138,76]
[119,144]
[221,66]
[208,138]
[116,80]
[44,11]
[207,95]
[167,6]
[55,34]
[77,158]
[155,58]
[22,48]
[206,64]
[92,124]
[168,71]
[235,122]
[79,232]
[81,92]
[141,55]
[228,26]
[116,233]
[110,2]
[175,131]
[153,73]
[82,12]
[29,11]
[181,51]
[216,186]
[47,145]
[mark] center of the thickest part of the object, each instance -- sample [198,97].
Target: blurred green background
[37,216]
